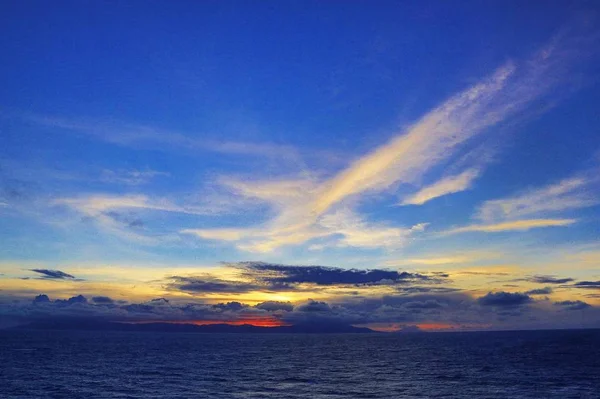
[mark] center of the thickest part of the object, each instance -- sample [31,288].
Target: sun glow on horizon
[252,321]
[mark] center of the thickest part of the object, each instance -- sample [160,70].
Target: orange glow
[436,326]
[251,320]
[258,322]
[428,326]
[381,327]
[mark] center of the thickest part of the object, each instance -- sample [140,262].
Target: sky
[395,165]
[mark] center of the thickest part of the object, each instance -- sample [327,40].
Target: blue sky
[146,140]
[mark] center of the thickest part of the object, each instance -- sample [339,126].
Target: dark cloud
[440,274]
[127,219]
[407,304]
[273,306]
[429,304]
[102,300]
[510,312]
[548,280]
[163,309]
[41,299]
[158,302]
[268,277]
[573,305]
[317,312]
[148,307]
[230,306]
[540,291]
[485,273]
[453,308]
[409,329]
[386,309]
[207,284]
[77,299]
[504,299]
[73,300]
[53,274]
[136,223]
[137,308]
[314,306]
[277,275]
[421,290]
[587,284]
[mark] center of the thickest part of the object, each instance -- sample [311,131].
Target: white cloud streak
[148,137]
[517,225]
[447,185]
[346,228]
[105,210]
[96,204]
[565,195]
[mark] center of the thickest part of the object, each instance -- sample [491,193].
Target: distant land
[95,325]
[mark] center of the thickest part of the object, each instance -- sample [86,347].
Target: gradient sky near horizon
[388,164]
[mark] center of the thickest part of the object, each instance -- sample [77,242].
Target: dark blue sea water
[62,364]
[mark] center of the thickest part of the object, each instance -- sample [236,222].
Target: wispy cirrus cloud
[94,205]
[304,213]
[316,207]
[430,141]
[114,214]
[117,213]
[567,194]
[356,232]
[535,207]
[149,137]
[445,186]
[517,225]
[449,258]
[344,228]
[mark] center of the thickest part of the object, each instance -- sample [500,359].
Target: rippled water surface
[62,364]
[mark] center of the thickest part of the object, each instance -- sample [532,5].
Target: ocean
[87,364]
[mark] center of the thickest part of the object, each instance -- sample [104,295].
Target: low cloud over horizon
[383,299]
